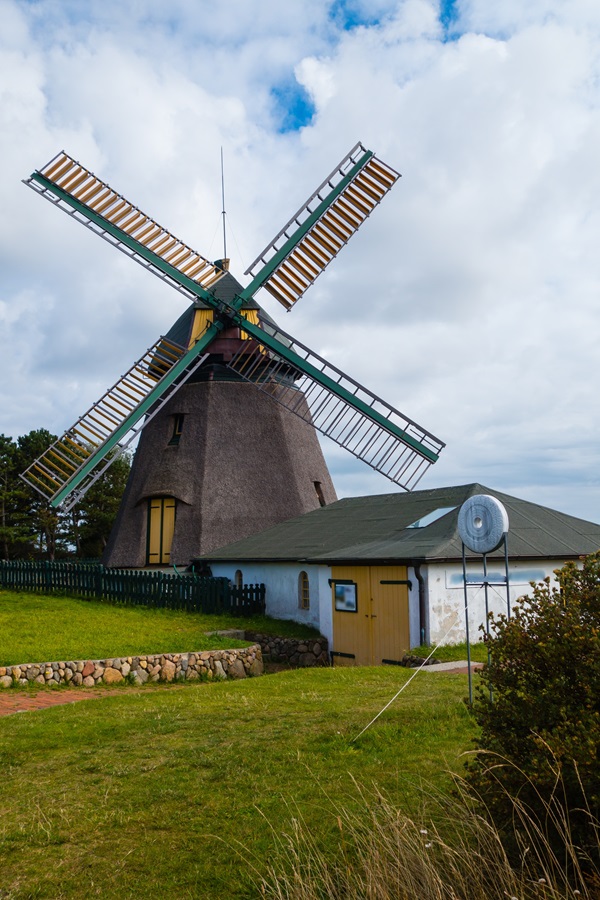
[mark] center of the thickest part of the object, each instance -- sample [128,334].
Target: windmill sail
[340,407]
[77,191]
[72,464]
[318,231]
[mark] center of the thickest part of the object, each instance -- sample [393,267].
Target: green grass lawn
[178,790]
[49,628]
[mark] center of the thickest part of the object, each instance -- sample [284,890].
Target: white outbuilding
[378,575]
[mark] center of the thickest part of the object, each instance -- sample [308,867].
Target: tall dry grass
[381,854]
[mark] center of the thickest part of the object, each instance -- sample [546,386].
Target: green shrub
[538,705]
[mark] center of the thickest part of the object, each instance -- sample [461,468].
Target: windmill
[175,505]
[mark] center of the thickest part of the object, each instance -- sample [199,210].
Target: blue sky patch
[349,14]
[449,17]
[293,106]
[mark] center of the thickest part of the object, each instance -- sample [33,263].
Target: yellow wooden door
[389,614]
[370,615]
[161,526]
[351,599]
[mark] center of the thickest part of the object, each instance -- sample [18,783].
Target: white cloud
[469,299]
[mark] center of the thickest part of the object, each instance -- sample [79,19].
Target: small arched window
[238,579]
[303,591]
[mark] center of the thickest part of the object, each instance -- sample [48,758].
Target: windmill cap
[222,264]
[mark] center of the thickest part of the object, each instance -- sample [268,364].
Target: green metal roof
[375,529]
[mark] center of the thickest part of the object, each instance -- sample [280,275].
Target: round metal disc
[482,523]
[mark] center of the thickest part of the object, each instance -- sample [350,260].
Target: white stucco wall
[281,580]
[446,599]
[444,593]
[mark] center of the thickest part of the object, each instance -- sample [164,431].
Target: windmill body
[219,462]
[227,402]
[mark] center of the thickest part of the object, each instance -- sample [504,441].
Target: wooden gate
[370,615]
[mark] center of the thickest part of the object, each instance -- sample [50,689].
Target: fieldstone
[6,681]
[191,675]
[307,659]
[143,663]
[218,669]
[112,675]
[125,669]
[39,679]
[86,669]
[88,681]
[256,668]
[168,671]
[77,678]
[48,674]
[16,672]
[68,675]
[54,666]
[236,669]
[32,673]
[23,681]
[2,671]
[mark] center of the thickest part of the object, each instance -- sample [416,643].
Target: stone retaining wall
[206,665]
[294,652]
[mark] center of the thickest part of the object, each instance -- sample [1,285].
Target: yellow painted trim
[202,319]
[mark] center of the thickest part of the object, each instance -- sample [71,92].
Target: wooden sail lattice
[63,460]
[77,191]
[322,226]
[340,408]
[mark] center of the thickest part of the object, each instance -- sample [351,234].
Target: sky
[468,300]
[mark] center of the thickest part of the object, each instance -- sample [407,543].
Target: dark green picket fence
[131,587]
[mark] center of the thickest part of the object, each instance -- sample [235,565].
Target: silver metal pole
[506,570]
[464,562]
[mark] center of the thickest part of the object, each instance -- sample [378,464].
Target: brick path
[24,701]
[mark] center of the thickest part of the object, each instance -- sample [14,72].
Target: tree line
[31,529]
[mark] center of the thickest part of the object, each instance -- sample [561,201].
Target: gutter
[422,603]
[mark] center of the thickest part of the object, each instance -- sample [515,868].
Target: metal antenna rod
[223,212]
